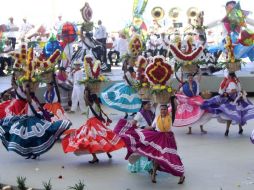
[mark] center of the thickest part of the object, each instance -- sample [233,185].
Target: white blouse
[141,121]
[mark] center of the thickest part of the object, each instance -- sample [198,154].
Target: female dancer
[231,106]
[52,98]
[33,134]
[122,96]
[93,137]
[158,144]
[188,111]
[142,120]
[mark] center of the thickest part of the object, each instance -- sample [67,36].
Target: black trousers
[104,41]
[13,42]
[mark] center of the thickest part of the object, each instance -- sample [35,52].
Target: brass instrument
[174,13]
[157,13]
[192,14]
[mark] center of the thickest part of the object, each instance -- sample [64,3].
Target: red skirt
[92,137]
[12,107]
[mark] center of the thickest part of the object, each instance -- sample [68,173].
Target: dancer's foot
[28,157]
[189,133]
[240,132]
[126,116]
[34,157]
[226,133]
[181,181]
[153,177]
[109,155]
[94,161]
[203,131]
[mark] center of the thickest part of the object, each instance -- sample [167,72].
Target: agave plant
[21,181]
[47,185]
[78,186]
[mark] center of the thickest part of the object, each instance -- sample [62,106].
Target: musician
[12,32]
[163,43]
[151,43]
[101,36]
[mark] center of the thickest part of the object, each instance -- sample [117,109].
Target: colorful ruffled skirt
[12,107]
[57,110]
[157,146]
[30,135]
[92,137]
[188,110]
[121,97]
[142,164]
[224,109]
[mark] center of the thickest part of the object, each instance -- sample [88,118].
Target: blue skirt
[141,165]
[30,135]
[121,97]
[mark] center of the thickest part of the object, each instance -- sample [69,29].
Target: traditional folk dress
[15,106]
[92,137]
[31,134]
[158,145]
[122,96]
[188,109]
[230,106]
[144,118]
[53,106]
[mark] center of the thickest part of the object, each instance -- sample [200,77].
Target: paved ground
[212,162]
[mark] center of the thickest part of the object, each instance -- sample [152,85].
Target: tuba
[192,14]
[174,13]
[157,13]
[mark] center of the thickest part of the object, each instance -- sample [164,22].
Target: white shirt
[58,24]
[114,46]
[13,30]
[231,86]
[77,76]
[122,46]
[163,42]
[152,42]
[100,32]
[25,28]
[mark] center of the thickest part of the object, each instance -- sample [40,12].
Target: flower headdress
[31,66]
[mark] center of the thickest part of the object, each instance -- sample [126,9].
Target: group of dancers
[30,128]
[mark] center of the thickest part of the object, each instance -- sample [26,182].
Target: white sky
[115,14]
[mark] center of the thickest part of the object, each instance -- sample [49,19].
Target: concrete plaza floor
[212,162]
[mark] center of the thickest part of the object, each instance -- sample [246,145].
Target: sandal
[181,181]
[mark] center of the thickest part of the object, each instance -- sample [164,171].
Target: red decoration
[68,32]
[181,57]
[87,12]
[158,72]
[97,72]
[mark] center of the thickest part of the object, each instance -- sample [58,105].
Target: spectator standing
[25,28]
[101,36]
[12,32]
